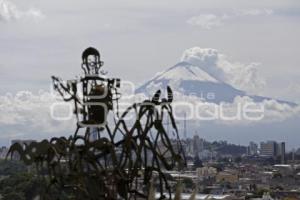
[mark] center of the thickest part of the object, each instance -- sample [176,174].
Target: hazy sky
[139,38]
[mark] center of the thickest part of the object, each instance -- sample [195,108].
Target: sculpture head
[91,62]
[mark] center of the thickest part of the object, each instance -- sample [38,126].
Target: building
[206,172]
[282,152]
[188,147]
[3,152]
[252,148]
[273,149]
[198,145]
[268,148]
[227,177]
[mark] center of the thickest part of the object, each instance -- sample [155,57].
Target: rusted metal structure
[124,160]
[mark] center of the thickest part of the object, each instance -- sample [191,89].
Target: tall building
[282,152]
[198,144]
[273,149]
[189,151]
[253,148]
[268,148]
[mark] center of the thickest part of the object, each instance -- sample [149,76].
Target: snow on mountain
[188,72]
[188,79]
[194,80]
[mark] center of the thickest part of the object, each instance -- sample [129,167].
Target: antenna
[184,126]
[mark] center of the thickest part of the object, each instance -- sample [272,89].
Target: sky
[138,38]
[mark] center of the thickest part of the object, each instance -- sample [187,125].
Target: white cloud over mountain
[9,11]
[32,112]
[29,115]
[242,111]
[209,21]
[241,76]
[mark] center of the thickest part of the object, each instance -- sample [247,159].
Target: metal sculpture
[123,161]
[97,93]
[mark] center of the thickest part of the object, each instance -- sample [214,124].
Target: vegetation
[109,167]
[19,186]
[10,167]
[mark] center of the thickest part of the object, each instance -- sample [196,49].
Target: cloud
[291,92]
[242,111]
[253,12]
[9,11]
[29,115]
[241,76]
[205,21]
[271,111]
[209,21]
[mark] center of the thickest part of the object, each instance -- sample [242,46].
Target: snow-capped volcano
[186,71]
[188,79]
[205,74]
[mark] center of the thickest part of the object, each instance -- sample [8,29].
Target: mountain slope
[187,79]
